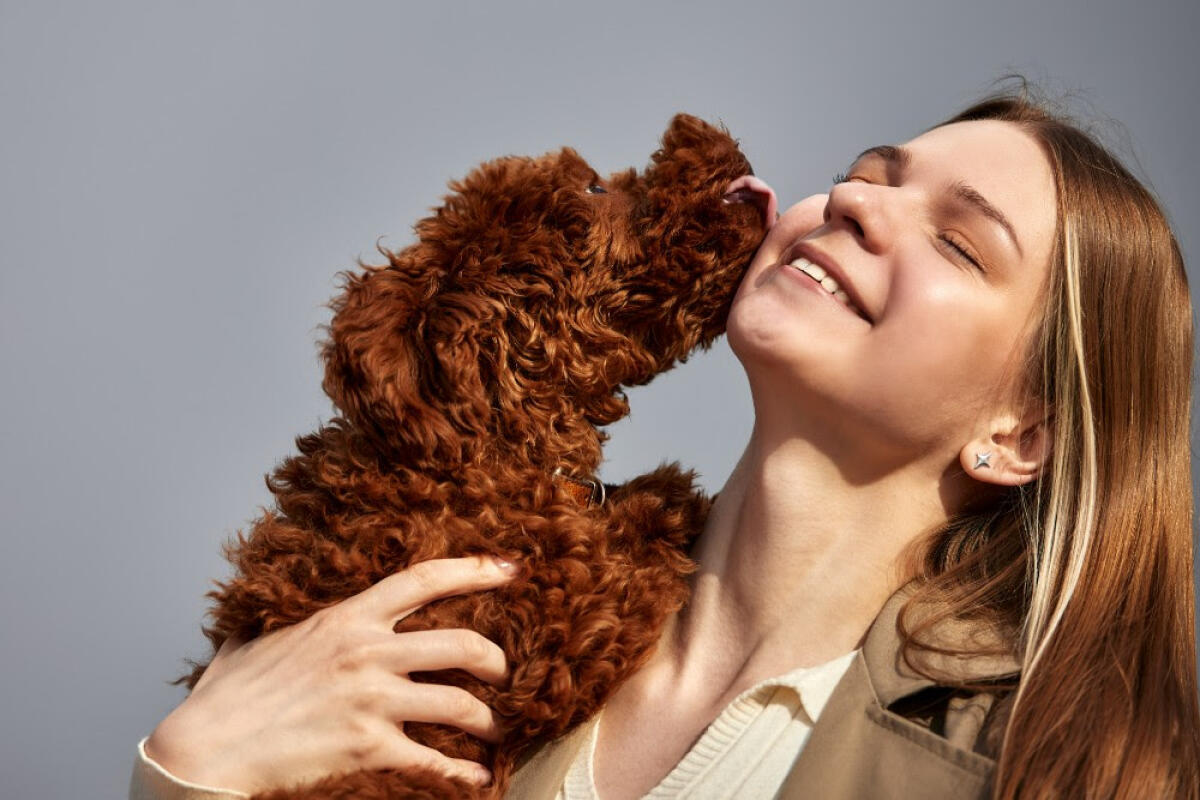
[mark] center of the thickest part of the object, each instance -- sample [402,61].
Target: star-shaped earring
[981,460]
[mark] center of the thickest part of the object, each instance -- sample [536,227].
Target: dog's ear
[685,131]
[385,369]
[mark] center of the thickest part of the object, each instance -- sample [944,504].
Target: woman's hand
[330,694]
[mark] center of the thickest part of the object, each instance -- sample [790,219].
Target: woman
[961,529]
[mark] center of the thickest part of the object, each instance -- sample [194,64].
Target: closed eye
[953,245]
[958,250]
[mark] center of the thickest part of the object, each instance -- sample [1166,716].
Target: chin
[743,337]
[756,330]
[781,360]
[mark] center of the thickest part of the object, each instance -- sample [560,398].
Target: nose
[857,206]
[749,189]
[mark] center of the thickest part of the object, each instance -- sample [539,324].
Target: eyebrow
[900,158]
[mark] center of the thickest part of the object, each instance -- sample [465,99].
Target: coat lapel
[858,749]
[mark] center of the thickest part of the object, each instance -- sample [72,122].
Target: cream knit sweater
[747,751]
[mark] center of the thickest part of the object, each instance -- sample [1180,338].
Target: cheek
[762,262]
[795,223]
[950,347]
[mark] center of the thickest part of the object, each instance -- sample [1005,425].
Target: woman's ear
[1011,450]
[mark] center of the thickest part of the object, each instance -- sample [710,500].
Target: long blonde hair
[1090,566]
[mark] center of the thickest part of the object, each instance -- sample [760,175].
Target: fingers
[457,648]
[398,595]
[410,754]
[467,770]
[446,705]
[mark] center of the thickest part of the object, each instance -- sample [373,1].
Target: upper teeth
[826,280]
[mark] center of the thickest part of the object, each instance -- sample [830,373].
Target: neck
[795,563]
[544,435]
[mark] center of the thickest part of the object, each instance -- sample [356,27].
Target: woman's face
[925,367]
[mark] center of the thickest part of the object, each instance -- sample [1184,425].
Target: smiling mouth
[826,282]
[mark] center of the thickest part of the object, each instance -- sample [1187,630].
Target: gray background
[180,182]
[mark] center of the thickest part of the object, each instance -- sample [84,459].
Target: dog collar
[585,491]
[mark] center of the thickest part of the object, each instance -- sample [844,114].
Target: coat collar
[861,750]
[855,746]
[892,678]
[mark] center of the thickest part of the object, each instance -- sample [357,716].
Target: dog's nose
[749,189]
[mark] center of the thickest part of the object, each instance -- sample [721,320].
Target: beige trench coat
[859,749]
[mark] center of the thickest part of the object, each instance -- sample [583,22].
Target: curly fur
[466,369]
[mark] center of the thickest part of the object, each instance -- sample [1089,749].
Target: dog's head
[537,290]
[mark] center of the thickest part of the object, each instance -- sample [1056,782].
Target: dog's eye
[596,188]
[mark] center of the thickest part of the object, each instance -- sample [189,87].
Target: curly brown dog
[472,373]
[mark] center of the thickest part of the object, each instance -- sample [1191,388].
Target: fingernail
[483,775]
[507,566]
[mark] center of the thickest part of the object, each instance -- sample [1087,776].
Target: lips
[806,250]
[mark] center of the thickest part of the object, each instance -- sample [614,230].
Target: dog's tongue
[749,189]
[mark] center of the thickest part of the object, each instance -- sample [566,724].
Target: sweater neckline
[807,688]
